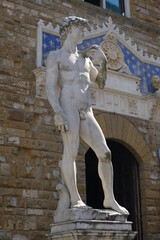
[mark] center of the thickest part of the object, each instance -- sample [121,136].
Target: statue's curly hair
[67,25]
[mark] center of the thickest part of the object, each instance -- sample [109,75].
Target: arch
[119,128]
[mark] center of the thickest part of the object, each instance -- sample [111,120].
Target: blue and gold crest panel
[143,70]
[140,69]
[52,43]
[49,43]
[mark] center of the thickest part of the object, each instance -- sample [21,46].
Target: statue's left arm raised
[98,72]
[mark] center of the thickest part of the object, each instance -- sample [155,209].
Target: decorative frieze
[122,104]
[120,95]
[40,82]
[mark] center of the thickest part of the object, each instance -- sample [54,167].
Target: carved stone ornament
[113,53]
[156,82]
[40,82]
[155,111]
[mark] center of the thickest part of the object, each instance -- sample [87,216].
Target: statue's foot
[79,204]
[115,206]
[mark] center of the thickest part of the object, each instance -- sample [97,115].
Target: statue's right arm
[51,82]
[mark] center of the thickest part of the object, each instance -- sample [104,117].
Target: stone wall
[30,146]
[146,11]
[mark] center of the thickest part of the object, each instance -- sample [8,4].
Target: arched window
[126,182]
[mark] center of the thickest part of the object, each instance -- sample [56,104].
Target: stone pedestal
[98,224]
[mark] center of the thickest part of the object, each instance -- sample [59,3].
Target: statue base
[91,230]
[74,214]
[98,224]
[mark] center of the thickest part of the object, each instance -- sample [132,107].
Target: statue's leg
[91,133]
[68,166]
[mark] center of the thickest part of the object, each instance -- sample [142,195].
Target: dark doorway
[126,182]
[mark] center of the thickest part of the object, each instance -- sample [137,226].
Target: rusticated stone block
[30,193]
[5,169]
[2,158]
[38,235]
[37,212]
[19,237]
[1,140]
[1,201]
[15,132]
[10,201]
[14,140]
[16,115]
[42,224]
[4,235]
[30,223]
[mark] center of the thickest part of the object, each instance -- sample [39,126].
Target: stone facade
[31,147]
[146,11]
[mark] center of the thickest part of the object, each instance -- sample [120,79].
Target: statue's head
[69,23]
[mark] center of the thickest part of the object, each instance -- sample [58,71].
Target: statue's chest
[74,63]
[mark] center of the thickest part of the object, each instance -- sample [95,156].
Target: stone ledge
[81,235]
[92,230]
[74,214]
[91,225]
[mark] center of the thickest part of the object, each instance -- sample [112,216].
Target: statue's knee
[106,156]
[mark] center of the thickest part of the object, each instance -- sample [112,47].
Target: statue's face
[78,34]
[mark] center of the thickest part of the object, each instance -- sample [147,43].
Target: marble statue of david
[74,73]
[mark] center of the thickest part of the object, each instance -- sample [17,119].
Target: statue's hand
[102,73]
[99,62]
[60,122]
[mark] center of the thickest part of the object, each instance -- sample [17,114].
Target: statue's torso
[74,80]
[72,68]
